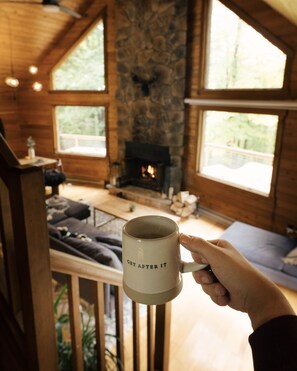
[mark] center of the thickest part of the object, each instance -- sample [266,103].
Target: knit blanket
[56,205]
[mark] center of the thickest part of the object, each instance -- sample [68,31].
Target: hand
[234,281]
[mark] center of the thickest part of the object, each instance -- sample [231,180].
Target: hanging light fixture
[11,81]
[37,86]
[33,70]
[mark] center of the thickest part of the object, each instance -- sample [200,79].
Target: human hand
[234,281]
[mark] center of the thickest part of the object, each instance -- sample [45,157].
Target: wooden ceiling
[27,32]
[285,7]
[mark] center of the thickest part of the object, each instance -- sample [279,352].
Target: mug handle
[187,267]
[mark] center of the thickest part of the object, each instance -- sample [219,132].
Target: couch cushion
[96,251]
[60,208]
[77,226]
[258,245]
[111,240]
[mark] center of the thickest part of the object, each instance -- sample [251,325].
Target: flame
[148,171]
[151,171]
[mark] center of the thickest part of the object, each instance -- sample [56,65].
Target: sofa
[273,254]
[71,235]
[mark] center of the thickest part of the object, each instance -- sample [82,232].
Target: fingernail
[184,238]
[204,261]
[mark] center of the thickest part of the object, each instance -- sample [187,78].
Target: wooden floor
[204,337]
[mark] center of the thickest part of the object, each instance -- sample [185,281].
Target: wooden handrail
[73,265]
[158,317]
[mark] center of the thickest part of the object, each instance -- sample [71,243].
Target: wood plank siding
[30,113]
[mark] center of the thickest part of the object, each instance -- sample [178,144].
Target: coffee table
[120,208]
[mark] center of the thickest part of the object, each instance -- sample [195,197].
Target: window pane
[83,69]
[239,57]
[238,149]
[81,130]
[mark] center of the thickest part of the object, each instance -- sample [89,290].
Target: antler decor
[144,83]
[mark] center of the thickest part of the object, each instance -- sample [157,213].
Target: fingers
[201,250]
[212,287]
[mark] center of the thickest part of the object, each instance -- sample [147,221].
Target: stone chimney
[151,65]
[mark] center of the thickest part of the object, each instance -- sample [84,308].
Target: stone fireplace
[151,50]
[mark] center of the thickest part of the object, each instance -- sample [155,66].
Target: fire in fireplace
[148,172]
[146,165]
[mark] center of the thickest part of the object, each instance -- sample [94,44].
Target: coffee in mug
[152,265]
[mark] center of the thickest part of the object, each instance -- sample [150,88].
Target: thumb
[199,246]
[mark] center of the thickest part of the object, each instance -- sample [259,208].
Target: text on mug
[146,266]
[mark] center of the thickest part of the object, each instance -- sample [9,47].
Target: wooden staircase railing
[158,318]
[27,263]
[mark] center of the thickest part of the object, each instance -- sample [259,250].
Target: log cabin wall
[31,114]
[280,209]
[10,118]
[36,108]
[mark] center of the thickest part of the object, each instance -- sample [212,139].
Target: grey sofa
[265,250]
[69,234]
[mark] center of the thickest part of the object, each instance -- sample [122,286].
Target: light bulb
[33,70]
[37,86]
[12,81]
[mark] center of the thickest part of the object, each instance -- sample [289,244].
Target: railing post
[31,243]
[162,336]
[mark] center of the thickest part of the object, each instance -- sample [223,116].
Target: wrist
[271,304]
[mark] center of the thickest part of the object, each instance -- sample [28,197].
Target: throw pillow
[96,251]
[111,240]
[291,257]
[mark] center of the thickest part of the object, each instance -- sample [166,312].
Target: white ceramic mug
[152,265]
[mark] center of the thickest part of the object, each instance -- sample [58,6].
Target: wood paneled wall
[36,108]
[11,121]
[280,209]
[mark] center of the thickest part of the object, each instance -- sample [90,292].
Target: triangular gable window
[238,56]
[83,68]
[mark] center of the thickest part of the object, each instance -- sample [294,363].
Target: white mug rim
[176,229]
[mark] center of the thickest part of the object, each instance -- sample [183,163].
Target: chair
[53,178]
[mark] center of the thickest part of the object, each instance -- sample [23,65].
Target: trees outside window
[84,67]
[81,130]
[239,57]
[238,148]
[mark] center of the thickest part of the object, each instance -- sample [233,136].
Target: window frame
[56,133]
[240,93]
[279,133]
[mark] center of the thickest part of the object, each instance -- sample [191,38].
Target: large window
[238,149]
[81,130]
[239,57]
[84,67]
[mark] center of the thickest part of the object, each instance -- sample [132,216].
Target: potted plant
[88,339]
[31,147]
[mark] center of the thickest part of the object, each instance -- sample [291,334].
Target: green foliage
[239,57]
[255,132]
[82,120]
[84,68]
[88,340]
[30,142]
